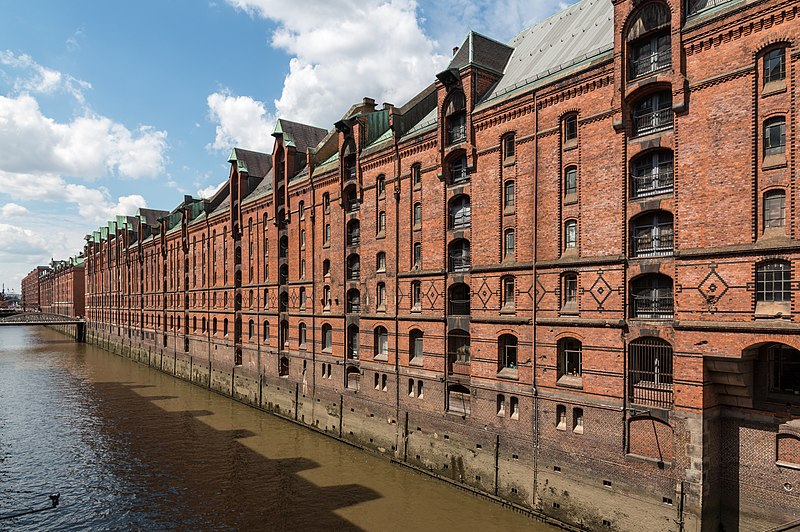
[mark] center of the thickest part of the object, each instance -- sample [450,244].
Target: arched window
[509,146]
[570,362]
[326,268]
[509,292]
[653,113]
[417,218]
[381,185]
[381,222]
[570,235]
[457,169]
[225,327]
[569,130]
[508,195]
[507,352]
[508,244]
[353,267]
[251,330]
[459,299]
[381,342]
[302,210]
[283,250]
[283,274]
[415,350]
[775,136]
[416,258]
[326,202]
[775,65]
[283,366]
[459,255]
[652,234]
[416,295]
[570,180]
[652,173]
[774,209]
[349,161]
[650,372]
[326,296]
[353,233]
[283,302]
[380,296]
[352,342]
[456,118]
[380,262]
[327,337]
[265,332]
[283,335]
[353,300]
[460,212]
[569,292]
[416,174]
[651,297]
[302,297]
[214,326]
[649,48]
[458,399]
[351,202]
[301,335]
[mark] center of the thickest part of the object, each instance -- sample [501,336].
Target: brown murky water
[129,448]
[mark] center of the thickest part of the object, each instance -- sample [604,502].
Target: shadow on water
[210,473]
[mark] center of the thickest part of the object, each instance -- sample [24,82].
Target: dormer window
[649,40]
[456,118]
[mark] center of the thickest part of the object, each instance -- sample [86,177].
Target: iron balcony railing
[653,307]
[460,262]
[652,62]
[458,174]
[458,363]
[461,219]
[354,306]
[653,241]
[651,122]
[354,273]
[353,205]
[652,181]
[354,239]
[456,133]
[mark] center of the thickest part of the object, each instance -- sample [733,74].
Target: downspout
[396,299]
[533,306]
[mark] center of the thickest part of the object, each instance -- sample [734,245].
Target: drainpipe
[396,299]
[533,307]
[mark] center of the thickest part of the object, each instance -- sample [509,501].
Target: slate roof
[254,163]
[301,136]
[481,51]
[580,32]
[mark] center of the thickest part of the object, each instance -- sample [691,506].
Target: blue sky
[110,106]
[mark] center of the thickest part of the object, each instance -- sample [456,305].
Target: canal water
[130,448]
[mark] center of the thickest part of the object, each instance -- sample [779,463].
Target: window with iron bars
[652,173]
[650,54]
[650,372]
[460,256]
[653,234]
[651,297]
[652,114]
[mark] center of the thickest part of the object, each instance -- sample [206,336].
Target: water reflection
[131,448]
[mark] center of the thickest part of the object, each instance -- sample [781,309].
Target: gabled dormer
[476,67]
[292,141]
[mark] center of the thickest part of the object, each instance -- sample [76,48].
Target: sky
[106,107]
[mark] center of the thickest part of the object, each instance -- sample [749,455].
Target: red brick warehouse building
[563,273]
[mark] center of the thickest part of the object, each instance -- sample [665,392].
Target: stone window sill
[508,211]
[570,381]
[509,161]
[774,87]
[774,161]
[571,199]
[570,144]
[508,373]
[382,358]
[416,361]
[772,310]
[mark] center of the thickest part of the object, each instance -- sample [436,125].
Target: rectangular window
[416,295]
[416,174]
[381,222]
[571,234]
[570,129]
[508,292]
[508,195]
[509,244]
[570,289]
[417,254]
[508,148]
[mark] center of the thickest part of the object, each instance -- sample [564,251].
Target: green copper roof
[241,165]
[287,138]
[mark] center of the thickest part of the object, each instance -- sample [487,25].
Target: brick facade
[573,289]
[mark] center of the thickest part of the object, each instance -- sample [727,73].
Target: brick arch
[758,341]
[569,334]
[636,7]
[568,111]
[787,449]
[765,43]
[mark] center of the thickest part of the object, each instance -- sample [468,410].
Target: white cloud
[40,79]
[242,122]
[94,204]
[89,147]
[10,210]
[210,190]
[347,49]
[16,240]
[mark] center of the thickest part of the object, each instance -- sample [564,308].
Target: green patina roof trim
[288,141]
[241,165]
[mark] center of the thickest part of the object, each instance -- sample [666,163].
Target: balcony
[456,133]
[653,241]
[653,307]
[650,63]
[652,122]
[654,181]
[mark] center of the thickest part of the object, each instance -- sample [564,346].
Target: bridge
[44,318]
